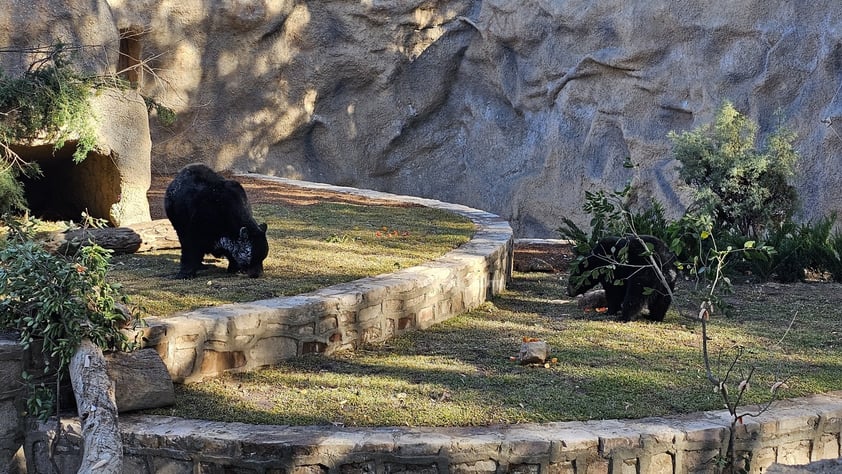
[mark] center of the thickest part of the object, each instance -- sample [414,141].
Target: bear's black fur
[212,215]
[631,265]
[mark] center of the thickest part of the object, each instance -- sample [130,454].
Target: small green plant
[59,300]
[742,187]
[12,197]
[51,99]
[166,116]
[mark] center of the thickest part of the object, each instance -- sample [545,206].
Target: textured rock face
[516,107]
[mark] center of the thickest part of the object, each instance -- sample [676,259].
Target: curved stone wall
[247,336]
[792,432]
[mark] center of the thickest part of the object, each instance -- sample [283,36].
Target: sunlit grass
[310,247]
[461,372]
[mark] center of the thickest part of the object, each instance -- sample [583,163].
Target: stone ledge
[241,337]
[794,432]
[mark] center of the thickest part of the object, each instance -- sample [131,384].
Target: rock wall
[512,106]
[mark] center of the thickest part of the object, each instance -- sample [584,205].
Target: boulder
[533,352]
[111,183]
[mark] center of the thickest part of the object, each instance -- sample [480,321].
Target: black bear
[625,260]
[212,215]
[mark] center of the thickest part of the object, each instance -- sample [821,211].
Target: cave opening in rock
[65,189]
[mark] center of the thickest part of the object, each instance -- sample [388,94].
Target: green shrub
[50,98]
[59,300]
[12,198]
[744,189]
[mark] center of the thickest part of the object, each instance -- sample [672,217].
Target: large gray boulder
[111,183]
[517,107]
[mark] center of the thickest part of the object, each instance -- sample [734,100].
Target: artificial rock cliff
[513,106]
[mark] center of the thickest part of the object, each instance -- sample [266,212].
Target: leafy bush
[811,247]
[50,98]
[744,189]
[59,300]
[11,191]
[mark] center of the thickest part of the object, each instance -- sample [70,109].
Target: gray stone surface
[11,403]
[652,445]
[515,107]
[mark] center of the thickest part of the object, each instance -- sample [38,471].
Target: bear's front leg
[614,295]
[658,306]
[191,261]
[633,302]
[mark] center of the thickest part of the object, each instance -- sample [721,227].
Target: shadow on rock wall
[509,106]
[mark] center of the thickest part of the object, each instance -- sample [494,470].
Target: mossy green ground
[460,372]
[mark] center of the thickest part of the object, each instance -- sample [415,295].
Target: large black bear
[212,215]
[631,265]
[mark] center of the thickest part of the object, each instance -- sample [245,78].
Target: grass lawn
[460,372]
[310,247]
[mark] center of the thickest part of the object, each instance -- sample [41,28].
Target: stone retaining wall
[793,432]
[242,337]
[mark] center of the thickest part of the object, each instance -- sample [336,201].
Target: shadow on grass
[461,372]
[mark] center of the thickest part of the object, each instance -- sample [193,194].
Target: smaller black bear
[212,215]
[628,264]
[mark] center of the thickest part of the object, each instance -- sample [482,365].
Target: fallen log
[141,380]
[94,391]
[141,237]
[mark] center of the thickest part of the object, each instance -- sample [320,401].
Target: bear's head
[247,252]
[255,248]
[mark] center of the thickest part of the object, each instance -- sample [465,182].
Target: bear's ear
[263,227]
[244,233]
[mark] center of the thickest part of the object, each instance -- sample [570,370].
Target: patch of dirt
[539,257]
[261,191]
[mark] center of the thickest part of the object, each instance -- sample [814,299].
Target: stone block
[825,447]
[476,467]
[564,467]
[697,461]
[524,444]
[425,318]
[272,350]
[627,466]
[762,458]
[308,469]
[661,463]
[796,452]
[171,466]
[366,467]
[182,363]
[10,374]
[594,466]
[534,352]
[214,363]
[370,313]
[525,468]
[568,443]
[407,468]
[327,324]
